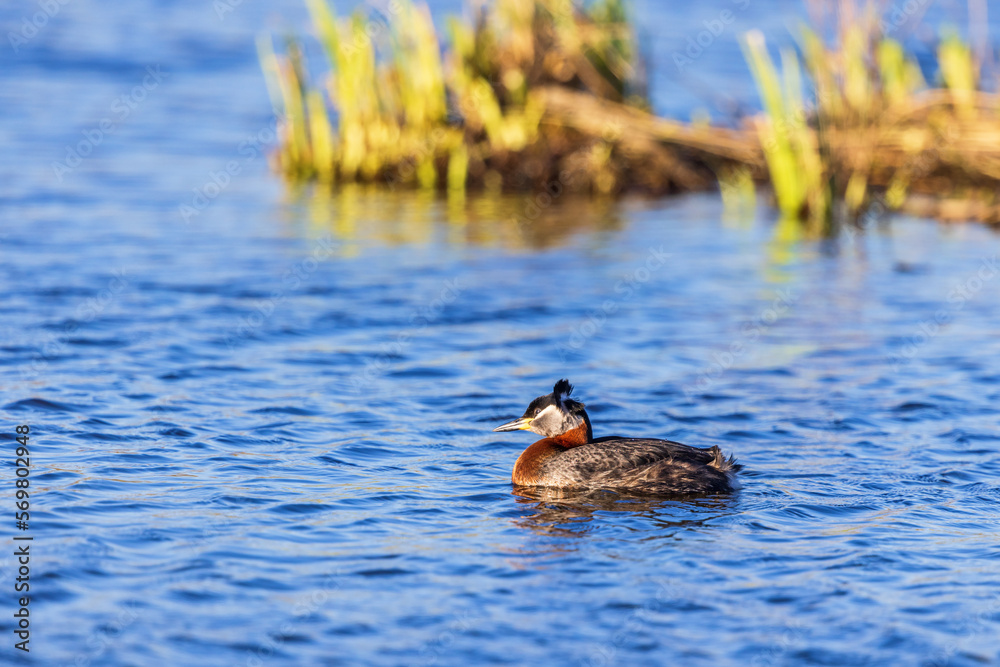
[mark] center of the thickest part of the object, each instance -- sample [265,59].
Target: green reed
[871,119]
[395,107]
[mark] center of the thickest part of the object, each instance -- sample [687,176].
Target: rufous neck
[578,436]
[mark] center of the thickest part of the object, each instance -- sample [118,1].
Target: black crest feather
[562,388]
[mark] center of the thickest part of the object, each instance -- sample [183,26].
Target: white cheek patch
[553,421]
[545,414]
[547,421]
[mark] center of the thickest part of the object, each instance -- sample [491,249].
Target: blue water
[261,433]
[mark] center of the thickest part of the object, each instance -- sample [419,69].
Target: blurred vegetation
[406,112]
[870,133]
[550,96]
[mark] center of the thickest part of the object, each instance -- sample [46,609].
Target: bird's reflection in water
[567,512]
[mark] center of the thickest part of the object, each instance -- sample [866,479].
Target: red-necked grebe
[569,457]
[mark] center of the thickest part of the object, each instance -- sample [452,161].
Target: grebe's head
[552,414]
